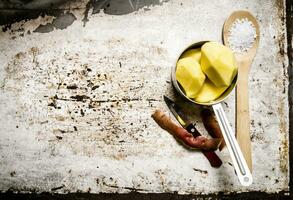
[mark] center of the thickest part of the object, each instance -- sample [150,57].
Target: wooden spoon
[244,61]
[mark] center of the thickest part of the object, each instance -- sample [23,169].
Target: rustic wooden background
[79,81]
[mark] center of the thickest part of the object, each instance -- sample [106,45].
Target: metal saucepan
[238,160]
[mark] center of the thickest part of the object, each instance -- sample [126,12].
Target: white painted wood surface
[100,137]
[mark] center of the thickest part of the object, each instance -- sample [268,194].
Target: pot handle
[238,160]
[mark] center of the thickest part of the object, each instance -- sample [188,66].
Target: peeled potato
[209,92]
[194,53]
[190,76]
[218,63]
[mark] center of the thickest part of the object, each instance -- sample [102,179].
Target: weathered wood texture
[77,96]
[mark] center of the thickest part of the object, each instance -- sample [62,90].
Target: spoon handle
[242,109]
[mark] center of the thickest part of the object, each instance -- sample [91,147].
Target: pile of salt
[242,35]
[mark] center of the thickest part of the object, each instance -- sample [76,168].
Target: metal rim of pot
[179,89]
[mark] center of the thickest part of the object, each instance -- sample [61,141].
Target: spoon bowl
[242,14]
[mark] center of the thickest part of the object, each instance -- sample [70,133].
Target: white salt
[242,35]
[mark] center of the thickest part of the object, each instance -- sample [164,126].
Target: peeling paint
[114,7]
[60,22]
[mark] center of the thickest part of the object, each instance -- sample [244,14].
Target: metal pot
[238,160]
